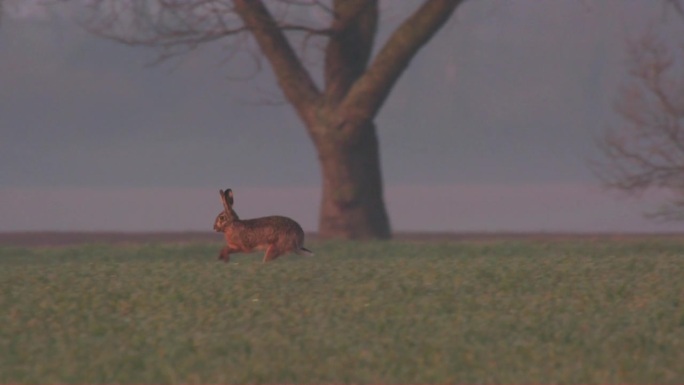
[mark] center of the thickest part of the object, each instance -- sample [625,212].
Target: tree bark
[352,202]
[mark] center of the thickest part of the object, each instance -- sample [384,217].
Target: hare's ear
[227,199]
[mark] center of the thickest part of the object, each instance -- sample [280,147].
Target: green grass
[378,312]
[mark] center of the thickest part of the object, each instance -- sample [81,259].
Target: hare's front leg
[224,255]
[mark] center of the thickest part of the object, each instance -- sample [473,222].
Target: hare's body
[276,235]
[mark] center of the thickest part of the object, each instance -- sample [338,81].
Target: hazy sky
[492,127]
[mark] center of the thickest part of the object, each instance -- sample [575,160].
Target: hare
[276,234]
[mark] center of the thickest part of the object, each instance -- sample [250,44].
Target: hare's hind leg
[272,253]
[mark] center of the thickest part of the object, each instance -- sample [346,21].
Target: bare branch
[175,27]
[677,5]
[295,81]
[369,92]
[349,47]
[647,152]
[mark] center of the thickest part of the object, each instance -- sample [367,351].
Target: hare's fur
[276,235]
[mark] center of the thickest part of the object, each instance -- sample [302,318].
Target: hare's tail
[304,251]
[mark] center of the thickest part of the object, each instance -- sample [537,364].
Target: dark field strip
[56,238]
[501,311]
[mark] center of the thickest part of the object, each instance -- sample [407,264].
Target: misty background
[491,128]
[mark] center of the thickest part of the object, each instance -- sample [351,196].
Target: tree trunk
[352,205]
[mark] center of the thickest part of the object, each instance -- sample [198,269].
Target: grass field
[378,312]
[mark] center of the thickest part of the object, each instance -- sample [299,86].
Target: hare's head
[227,216]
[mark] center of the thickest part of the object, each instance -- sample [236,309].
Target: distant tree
[646,151]
[338,111]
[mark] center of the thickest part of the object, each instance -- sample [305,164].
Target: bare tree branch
[647,151]
[677,5]
[175,27]
[295,81]
[369,92]
[350,45]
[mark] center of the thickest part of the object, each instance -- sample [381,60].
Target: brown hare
[275,234]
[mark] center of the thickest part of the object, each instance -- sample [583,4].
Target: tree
[647,151]
[339,113]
